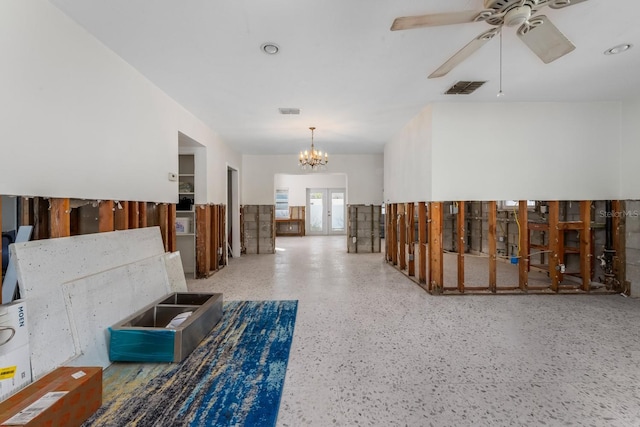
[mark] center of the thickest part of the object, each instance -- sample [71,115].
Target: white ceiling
[355,80]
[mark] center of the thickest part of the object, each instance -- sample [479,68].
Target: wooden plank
[430,249]
[387,232]
[215,214]
[422,241]
[461,245]
[402,237]
[173,241]
[134,215]
[203,241]
[436,273]
[105,216]
[561,250]
[493,248]
[554,241]
[570,225]
[411,226]
[223,232]
[163,222]
[537,226]
[211,232]
[121,220]
[212,240]
[59,218]
[585,244]
[539,247]
[142,214]
[394,233]
[523,245]
[41,229]
[26,211]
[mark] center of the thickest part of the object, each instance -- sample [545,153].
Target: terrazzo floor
[371,348]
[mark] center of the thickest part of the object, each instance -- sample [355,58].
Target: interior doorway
[233,213]
[326,211]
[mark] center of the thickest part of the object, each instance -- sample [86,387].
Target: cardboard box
[15,359]
[65,397]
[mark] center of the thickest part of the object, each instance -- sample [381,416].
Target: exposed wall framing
[62,217]
[422,242]
[402,236]
[203,241]
[547,248]
[363,229]
[411,237]
[210,239]
[258,225]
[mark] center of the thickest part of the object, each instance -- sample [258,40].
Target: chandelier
[313,158]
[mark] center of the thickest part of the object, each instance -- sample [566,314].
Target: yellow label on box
[8,372]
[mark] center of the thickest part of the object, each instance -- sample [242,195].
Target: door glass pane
[316,211]
[337,211]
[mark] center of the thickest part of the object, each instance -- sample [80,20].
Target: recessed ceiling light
[618,49]
[270,48]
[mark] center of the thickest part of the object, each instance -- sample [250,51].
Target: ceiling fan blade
[409,22]
[544,39]
[465,52]
[559,4]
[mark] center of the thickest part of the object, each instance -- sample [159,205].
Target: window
[282,203]
[510,204]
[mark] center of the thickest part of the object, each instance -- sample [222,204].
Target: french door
[326,211]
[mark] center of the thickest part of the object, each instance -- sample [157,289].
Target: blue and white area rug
[234,377]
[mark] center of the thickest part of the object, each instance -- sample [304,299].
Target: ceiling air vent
[463,88]
[289,110]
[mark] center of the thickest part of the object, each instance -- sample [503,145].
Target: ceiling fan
[536,31]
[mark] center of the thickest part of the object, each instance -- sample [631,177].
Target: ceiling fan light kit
[517,16]
[537,32]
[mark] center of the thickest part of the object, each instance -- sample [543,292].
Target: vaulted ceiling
[351,77]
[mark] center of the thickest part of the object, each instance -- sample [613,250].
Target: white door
[326,210]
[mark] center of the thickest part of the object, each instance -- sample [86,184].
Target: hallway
[372,348]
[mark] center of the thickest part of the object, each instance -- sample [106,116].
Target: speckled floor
[372,348]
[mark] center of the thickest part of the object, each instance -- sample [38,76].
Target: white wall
[298,184]
[505,151]
[407,161]
[522,151]
[80,122]
[630,151]
[364,176]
